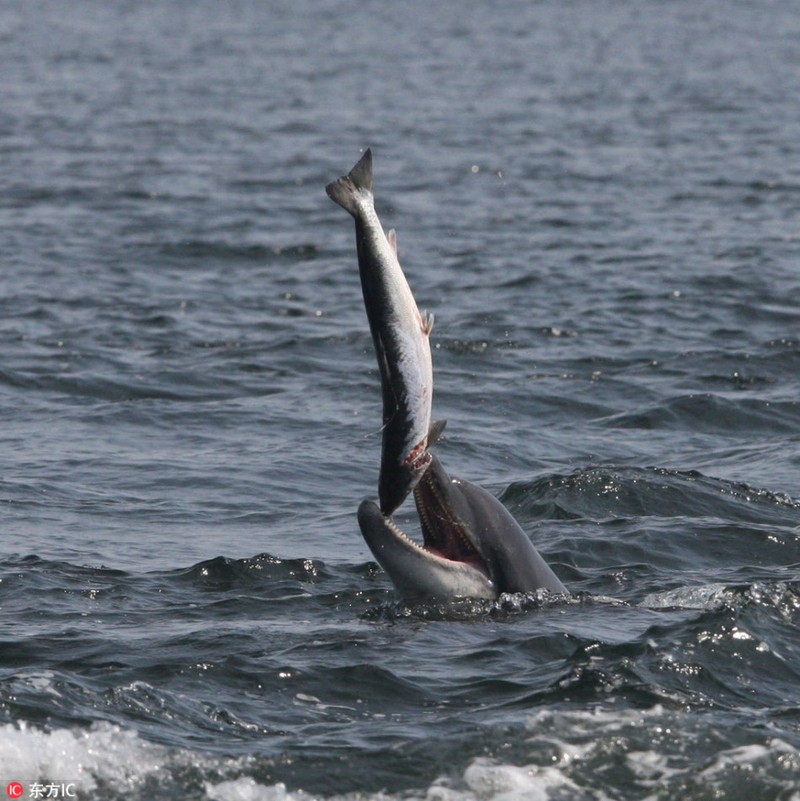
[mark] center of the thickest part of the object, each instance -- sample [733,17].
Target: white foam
[246,789]
[527,783]
[705,597]
[749,756]
[77,756]
[650,767]
[483,780]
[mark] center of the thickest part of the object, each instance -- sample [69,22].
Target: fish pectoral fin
[426,320]
[392,239]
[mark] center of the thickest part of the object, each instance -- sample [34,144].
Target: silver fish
[400,334]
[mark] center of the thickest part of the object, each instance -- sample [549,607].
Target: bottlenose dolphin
[472,547]
[400,334]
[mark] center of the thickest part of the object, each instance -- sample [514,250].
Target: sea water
[600,202]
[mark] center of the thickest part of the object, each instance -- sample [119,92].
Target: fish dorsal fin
[392,237]
[435,431]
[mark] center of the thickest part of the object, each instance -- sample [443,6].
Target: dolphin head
[416,571]
[472,546]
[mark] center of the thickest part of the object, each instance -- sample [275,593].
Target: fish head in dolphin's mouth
[397,480]
[444,530]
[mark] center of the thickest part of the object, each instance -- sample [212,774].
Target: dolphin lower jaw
[421,571]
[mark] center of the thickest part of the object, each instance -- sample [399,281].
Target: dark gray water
[600,201]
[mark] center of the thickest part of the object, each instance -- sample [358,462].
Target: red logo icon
[15,790]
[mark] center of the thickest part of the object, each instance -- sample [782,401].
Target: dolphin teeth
[403,536]
[446,532]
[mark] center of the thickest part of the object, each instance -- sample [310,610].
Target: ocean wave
[607,491]
[661,753]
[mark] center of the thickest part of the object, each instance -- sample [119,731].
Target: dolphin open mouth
[443,534]
[447,564]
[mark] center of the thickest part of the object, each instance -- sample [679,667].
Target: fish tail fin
[344,190]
